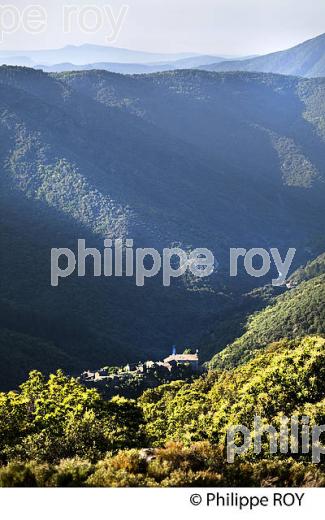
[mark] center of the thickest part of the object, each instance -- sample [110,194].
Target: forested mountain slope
[189,157]
[298,312]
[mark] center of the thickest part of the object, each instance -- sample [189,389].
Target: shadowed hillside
[298,312]
[189,157]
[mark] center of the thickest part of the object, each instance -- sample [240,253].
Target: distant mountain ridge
[114,59]
[134,68]
[87,53]
[306,59]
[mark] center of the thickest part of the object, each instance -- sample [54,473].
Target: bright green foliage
[175,411]
[280,380]
[313,269]
[54,432]
[276,382]
[58,418]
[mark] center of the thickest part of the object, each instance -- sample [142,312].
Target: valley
[98,155]
[114,163]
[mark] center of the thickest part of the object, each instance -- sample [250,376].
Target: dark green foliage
[298,312]
[20,352]
[91,154]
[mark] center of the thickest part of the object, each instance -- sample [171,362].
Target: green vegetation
[298,312]
[279,380]
[57,418]
[201,465]
[20,351]
[54,432]
[313,269]
[94,154]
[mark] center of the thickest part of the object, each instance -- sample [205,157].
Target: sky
[218,27]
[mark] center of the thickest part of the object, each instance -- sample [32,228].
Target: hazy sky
[228,27]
